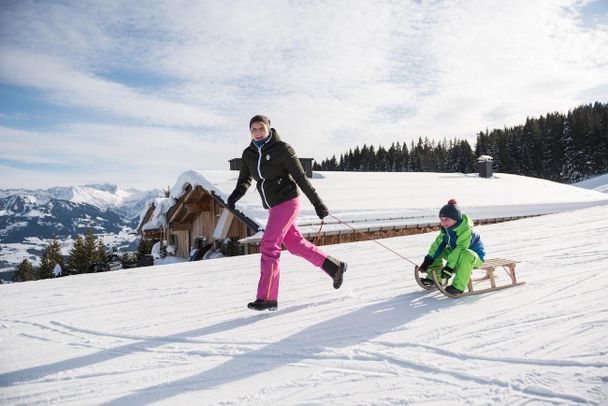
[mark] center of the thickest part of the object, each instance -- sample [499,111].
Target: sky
[137,93]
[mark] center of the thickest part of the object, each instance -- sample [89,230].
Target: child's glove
[426,263]
[447,272]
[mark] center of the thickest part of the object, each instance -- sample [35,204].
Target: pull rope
[318,236]
[369,238]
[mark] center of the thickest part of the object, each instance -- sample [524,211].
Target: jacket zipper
[261,177]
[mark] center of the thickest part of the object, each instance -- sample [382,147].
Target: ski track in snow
[180,334]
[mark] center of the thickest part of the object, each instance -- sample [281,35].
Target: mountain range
[128,203]
[29,218]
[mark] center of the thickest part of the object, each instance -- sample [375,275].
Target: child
[458,245]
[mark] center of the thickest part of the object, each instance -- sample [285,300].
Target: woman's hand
[321,210]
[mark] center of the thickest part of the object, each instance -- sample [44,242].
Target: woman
[278,173]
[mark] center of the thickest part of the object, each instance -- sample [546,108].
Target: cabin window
[173,240]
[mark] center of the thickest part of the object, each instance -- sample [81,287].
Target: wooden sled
[490,266]
[417,276]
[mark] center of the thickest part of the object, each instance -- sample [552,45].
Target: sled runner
[490,266]
[417,276]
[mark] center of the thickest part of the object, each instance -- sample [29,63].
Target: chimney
[484,164]
[235,164]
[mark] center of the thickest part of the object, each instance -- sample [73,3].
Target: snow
[16,224]
[598,183]
[385,200]
[57,270]
[14,253]
[181,334]
[124,201]
[223,225]
[168,260]
[104,196]
[161,206]
[155,252]
[36,213]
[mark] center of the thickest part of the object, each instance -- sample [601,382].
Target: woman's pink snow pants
[282,229]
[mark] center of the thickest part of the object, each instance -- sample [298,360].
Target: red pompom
[452,201]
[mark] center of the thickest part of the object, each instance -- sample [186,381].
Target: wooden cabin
[152,225]
[198,217]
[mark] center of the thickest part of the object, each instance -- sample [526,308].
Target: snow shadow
[143,345]
[339,332]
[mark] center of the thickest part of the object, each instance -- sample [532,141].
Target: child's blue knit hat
[451,210]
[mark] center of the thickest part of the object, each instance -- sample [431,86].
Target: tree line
[87,255]
[559,147]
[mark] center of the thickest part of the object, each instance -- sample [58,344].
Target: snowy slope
[181,334]
[389,199]
[598,183]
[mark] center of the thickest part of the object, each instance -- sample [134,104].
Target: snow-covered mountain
[127,203]
[25,216]
[28,218]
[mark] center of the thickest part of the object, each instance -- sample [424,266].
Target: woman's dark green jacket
[277,171]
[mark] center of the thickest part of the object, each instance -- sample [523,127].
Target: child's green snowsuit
[461,248]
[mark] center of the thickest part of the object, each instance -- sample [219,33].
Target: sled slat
[490,266]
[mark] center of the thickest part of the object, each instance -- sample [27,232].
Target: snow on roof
[161,206]
[366,200]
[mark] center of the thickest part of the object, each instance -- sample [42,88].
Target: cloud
[330,75]
[127,155]
[70,87]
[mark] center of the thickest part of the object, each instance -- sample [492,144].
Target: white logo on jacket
[268,157]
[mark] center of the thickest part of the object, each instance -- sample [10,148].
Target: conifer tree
[570,171]
[440,157]
[380,161]
[348,161]
[393,157]
[415,164]
[426,156]
[78,261]
[50,257]
[100,252]
[25,272]
[565,148]
[468,158]
[90,245]
[127,259]
[405,164]
[368,163]
[356,163]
